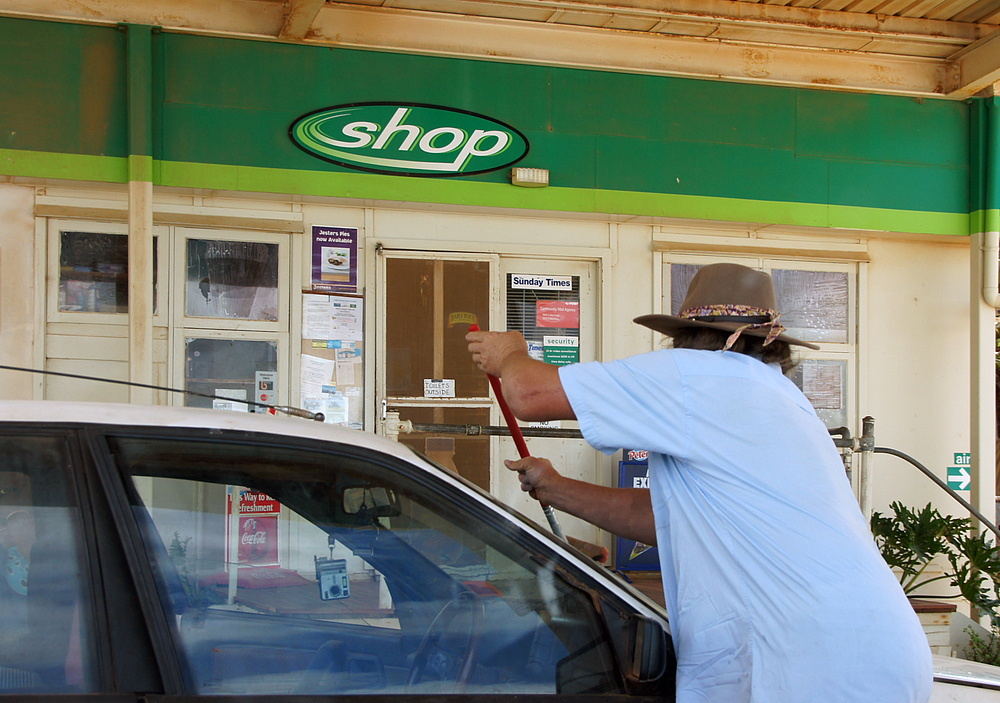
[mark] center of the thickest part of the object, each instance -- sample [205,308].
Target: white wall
[18,326]
[914,316]
[917,356]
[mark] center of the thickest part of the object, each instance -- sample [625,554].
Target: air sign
[416,140]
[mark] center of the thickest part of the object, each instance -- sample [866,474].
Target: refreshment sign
[258,529]
[409,139]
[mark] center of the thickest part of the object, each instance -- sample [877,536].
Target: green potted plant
[910,539]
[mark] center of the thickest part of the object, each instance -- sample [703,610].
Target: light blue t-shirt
[774,586]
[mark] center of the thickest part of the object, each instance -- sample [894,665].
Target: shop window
[93,272]
[546,310]
[817,304]
[813,304]
[231,280]
[429,306]
[238,370]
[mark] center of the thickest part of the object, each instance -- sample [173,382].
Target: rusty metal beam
[586,47]
[710,39]
[301,14]
[976,67]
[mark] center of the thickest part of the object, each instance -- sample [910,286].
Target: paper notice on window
[347,373]
[336,409]
[332,317]
[345,318]
[823,385]
[439,388]
[316,373]
[236,394]
[315,316]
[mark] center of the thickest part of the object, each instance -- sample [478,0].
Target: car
[180,552]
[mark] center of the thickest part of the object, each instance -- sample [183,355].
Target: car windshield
[334,569]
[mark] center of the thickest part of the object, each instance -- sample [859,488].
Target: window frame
[478,504]
[180,319]
[828,351]
[56,226]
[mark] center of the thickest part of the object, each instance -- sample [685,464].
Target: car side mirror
[643,647]
[650,651]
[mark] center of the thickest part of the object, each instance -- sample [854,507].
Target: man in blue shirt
[773,584]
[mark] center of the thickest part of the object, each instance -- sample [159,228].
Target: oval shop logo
[409,139]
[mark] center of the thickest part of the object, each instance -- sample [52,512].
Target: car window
[44,621]
[288,571]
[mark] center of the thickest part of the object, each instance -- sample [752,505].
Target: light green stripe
[77,167]
[985,221]
[455,192]
[140,168]
[108,169]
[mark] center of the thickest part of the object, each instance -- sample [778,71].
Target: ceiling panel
[948,49]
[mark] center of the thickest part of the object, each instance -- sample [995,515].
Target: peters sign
[408,139]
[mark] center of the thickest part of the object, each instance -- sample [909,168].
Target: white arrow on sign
[964,480]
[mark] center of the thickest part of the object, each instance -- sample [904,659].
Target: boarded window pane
[824,383]
[813,304]
[468,456]
[429,305]
[236,280]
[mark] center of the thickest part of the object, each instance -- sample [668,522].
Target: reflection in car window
[42,619]
[294,571]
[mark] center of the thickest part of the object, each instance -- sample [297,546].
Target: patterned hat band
[754,318]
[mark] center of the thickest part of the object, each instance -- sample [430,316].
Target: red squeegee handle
[522,447]
[508,416]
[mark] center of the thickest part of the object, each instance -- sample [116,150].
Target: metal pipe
[493,430]
[866,446]
[930,474]
[990,184]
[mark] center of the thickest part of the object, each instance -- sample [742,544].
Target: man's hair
[777,352]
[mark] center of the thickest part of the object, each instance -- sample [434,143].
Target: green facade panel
[62,88]
[612,142]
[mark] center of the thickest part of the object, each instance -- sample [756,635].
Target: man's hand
[627,512]
[492,350]
[538,477]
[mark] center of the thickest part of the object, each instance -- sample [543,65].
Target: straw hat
[727,297]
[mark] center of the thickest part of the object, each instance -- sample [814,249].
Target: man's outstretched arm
[531,388]
[626,512]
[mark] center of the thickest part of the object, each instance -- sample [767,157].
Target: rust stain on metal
[102,73]
[756,63]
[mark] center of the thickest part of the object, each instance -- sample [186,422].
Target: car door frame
[160,629]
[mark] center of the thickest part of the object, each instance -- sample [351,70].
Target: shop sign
[557,313]
[409,139]
[560,351]
[257,542]
[532,282]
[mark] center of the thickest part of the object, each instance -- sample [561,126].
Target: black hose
[966,504]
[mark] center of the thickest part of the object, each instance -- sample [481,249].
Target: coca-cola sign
[258,540]
[256,543]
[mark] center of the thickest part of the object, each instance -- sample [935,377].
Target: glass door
[428,301]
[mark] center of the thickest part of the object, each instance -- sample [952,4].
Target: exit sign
[959,478]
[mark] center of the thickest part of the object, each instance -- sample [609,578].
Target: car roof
[123,414]
[54,412]
[950,669]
